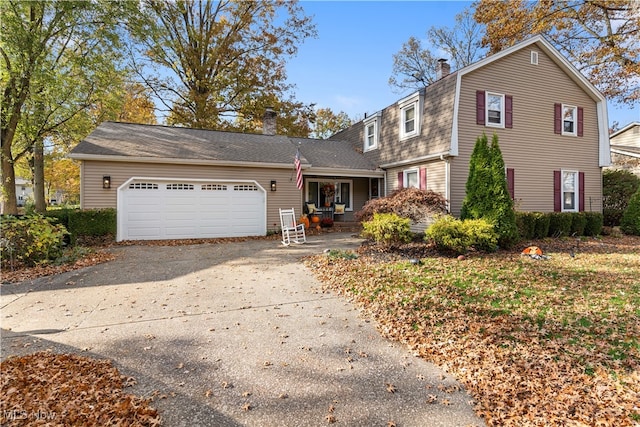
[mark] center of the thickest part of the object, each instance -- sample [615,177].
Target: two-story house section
[550,121]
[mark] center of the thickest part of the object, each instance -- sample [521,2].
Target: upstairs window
[409,119]
[494,109]
[371,132]
[568,120]
[410,116]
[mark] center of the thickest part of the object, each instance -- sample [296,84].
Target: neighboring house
[170,183]
[550,121]
[24,191]
[625,148]
[174,183]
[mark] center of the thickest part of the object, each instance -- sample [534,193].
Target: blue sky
[347,67]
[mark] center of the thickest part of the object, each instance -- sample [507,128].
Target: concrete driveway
[232,334]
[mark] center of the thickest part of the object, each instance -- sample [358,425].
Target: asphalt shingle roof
[137,141]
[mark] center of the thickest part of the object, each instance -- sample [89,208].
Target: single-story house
[174,183]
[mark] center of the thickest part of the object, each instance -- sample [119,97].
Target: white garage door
[153,209]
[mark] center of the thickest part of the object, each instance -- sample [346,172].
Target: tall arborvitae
[478,198]
[502,213]
[487,193]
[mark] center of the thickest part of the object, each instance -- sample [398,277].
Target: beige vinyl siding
[436,176]
[531,147]
[94,196]
[628,138]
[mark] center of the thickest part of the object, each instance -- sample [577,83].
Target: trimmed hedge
[538,225]
[630,223]
[595,221]
[455,235]
[86,223]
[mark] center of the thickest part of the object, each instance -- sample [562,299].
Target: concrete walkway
[233,334]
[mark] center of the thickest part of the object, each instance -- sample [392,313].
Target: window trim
[575,120]
[405,181]
[405,104]
[375,122]
[576,190]
[502,110]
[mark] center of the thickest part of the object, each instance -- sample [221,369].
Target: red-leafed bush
[412,203]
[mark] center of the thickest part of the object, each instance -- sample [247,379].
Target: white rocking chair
[291,231]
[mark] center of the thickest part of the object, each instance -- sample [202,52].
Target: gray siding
[94,196]
[531,147]
[435,128]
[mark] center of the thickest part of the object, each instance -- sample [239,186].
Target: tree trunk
[38,176]
[9,202]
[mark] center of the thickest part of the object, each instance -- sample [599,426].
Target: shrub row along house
[170,183]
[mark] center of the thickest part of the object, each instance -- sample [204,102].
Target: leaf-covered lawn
[536,342]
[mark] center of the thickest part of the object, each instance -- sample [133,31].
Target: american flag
[296,163]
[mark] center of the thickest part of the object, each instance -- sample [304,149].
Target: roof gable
[581,81]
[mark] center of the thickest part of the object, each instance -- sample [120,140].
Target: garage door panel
[161,210]
[144,233]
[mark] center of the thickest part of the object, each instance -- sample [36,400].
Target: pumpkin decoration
[304,220]
[315,219]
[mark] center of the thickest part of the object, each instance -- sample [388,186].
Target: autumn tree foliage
[411,203]
[415,64]
[487,194]
[60,75]
[600,38]
[327,123]
[223,62]
[138,106]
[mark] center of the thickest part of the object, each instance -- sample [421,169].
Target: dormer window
[410,116]
[371,132]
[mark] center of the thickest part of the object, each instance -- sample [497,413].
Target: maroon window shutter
[480,104]
[511,182]
[557,193]
[580,121]
[508,111]
[557,118]
[400,177]
[423,178]
[581,191]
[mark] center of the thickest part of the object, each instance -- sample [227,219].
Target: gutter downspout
[447,180]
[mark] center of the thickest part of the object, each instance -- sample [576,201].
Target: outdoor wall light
[273,186]
[106,182]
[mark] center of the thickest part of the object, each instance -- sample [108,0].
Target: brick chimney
[442,69]
[269,122]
